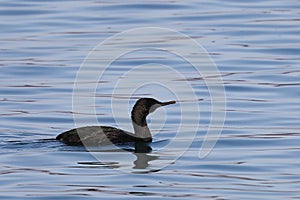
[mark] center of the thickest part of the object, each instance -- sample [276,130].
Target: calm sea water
[256,47]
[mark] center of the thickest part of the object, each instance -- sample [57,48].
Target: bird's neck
[141,129]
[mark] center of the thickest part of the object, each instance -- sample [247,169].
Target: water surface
[255,46]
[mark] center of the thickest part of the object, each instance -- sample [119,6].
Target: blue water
[256,48]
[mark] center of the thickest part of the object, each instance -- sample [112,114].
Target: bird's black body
[105,135]
[96,136]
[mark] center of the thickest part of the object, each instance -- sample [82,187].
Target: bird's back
[95,136]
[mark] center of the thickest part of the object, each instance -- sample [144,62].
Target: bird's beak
[167,103]
[154,107]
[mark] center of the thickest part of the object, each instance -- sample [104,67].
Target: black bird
[105,135]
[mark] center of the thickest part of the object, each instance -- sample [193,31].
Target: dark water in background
[256,47]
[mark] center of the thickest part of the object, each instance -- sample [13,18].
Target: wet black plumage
[105,135]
